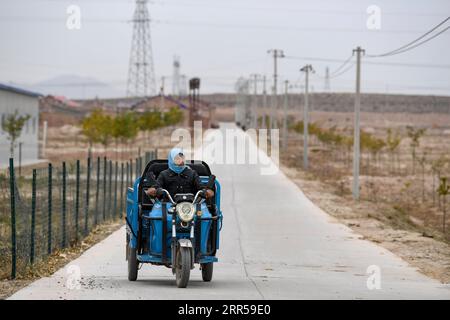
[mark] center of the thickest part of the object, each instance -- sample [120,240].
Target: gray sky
[220,40]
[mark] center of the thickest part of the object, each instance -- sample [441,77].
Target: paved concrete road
[275,244]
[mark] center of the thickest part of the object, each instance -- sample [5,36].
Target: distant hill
[77,87]
[338,102]
[344,102]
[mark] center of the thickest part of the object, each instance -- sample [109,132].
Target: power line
[342,72]
[395,64]
[411,45]
[337,72]
[420,43]
[341,66]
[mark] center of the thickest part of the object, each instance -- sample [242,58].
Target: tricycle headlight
[185,211]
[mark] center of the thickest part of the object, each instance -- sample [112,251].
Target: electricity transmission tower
[327,80]
[176,76]
[141,74]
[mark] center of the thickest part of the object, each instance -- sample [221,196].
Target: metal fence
[57,206]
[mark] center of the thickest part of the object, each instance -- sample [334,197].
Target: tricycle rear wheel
[207,271]
[132,264]
[183,269]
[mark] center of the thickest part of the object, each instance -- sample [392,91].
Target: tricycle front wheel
[183,269]
[207,271]
[132,264]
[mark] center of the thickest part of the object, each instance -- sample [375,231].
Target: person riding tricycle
[174,217]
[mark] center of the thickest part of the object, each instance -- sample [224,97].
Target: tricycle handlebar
[168,195]
[199,193]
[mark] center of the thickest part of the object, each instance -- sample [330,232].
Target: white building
[26,103]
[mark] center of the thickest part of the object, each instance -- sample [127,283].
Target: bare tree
[414,135]
[13,126]
[392,142]
[444,191]
[423,162]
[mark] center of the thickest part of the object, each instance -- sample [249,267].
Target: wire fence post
[110,188]
[121,190]
[13,218]
[136,168]
[33,216]
[128,174]
[20,159]
[131,172]
[97,191]
[63,242]
[104,189]
[49,218]
[86,208]
[116,171]
[77,198]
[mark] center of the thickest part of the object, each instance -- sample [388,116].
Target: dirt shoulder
[381,224]
[58,259]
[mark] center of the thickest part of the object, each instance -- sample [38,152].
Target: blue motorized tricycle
[177,232]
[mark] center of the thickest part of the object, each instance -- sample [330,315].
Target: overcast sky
[220,40]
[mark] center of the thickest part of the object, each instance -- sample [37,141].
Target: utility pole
[356,143]
[162,92]
[183,85]
[285,105]
[306,69]
[254,112]
[176,77]
[194,95]
[276,53]
[263,122]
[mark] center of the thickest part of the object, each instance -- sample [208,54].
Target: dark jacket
[187,181]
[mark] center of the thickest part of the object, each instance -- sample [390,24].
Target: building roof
[66,101]
[9,88]
[156,98]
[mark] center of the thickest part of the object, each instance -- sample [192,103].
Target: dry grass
[399,208]
[65,143]
[58,259]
